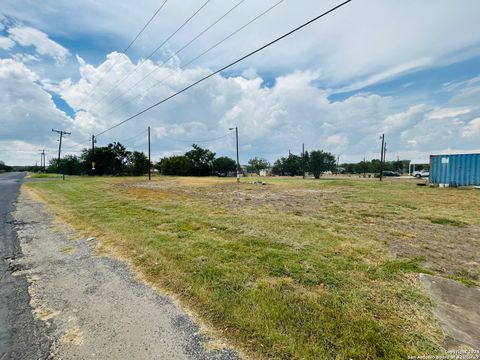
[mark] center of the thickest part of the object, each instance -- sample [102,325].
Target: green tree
[374,166]
[224,164]
[104,159]
[120,157]
[349,167]
[320,161]
[69,165]
[256,164]
[138,163]
[4,167]
[175,165]
[109,160]
[291,165]
[202,160]
[361,167]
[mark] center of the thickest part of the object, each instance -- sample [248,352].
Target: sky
[409,69]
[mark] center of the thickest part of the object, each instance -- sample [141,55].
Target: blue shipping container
[455,170]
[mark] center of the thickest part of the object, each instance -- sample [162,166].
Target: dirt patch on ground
[245,196]
[440,246]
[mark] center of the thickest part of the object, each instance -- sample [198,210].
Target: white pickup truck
[421,173]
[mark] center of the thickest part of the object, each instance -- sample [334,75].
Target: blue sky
[409,69]
[425,83]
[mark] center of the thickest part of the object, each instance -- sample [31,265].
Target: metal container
[455,170]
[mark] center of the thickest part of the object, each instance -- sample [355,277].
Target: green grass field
[303,269]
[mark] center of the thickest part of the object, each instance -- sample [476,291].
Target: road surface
[21,336]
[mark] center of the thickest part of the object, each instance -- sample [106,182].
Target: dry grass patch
[292,269]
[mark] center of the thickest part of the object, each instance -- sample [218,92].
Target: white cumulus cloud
[271,120]
[28,114]
[472,130]
[6,43]
[28,36]
[447,113]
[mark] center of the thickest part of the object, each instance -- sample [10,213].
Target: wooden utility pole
[42,159]
[364,168]
[238,157]
[303,161]
[149,158]
[61,132]
[382,153]
[93,153]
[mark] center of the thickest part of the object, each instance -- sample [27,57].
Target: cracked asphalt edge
[22,337]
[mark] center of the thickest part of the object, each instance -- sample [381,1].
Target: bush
[176,165]
[223,165]
[319,162]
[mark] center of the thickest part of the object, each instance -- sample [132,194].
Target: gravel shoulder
[94,306]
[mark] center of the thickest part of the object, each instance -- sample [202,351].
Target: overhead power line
[218,43]
[125,141]
[26,150]
[124,51]
[145,26]
[144,92]
[226,66]
[200,141]
[151,54]
[179,51]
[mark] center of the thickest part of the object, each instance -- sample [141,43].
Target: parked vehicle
[389,173]
[421,173]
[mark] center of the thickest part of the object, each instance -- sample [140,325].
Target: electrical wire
[149,56]
[226,66]
[24,150]
[124,51]
[199,141]
[36,151]
[177,52]
[144,92]
[145,26]
[125,141]
[87,140]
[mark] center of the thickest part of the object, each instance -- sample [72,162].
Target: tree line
[115,159]
[202,162]
[4,167]
[374,166]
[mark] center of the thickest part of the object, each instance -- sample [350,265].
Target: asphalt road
[21,336]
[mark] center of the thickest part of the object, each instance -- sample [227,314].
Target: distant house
[266,172]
